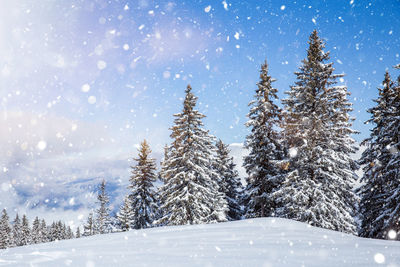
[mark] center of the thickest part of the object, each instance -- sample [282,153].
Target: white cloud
[46,156]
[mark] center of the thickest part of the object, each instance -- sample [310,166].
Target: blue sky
[83,82]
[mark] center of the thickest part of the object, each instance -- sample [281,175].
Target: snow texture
[252,242]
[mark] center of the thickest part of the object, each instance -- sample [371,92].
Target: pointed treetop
[315,52]
[188,89]
[387,90]
[264,66]
[144,151]
[144,148]
[264,85]
[264,71]
[314,33]
[387,81]
[190,100]
[144,143]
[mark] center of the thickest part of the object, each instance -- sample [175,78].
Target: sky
[82,83]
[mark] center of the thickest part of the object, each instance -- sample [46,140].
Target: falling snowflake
[392,234]
[85,88]
[225,4]
[101,64]
[41,145]
[91,99]
[379,258]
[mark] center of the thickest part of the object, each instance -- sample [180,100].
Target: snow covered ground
[255,242]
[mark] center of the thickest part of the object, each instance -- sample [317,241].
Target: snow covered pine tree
[89,227]
[103,221]
[142,195]
[380,197]
[264,163]
[318,186]
[125,215]
[36,234]
[228,181]
[43,231]
[26,231]
[6,238]
[391,208]
[190,195]
[16,231]
[78,232]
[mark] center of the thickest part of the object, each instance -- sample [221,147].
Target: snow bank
[255,242]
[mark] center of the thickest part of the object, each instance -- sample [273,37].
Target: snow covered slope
[256,242]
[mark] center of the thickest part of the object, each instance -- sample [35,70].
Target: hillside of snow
[254,242]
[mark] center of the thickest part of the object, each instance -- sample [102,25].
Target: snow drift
[254,242]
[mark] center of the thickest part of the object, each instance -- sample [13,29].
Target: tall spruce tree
[143,196]
[228,181]
[264,163]
[373,192]
[379,205]
[103,221]
[6,239]
[190,194]
[17,231]
[391,208]
[318,186]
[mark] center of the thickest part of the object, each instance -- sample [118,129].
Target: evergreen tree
[68,233]
[318,186]
[373,191]
[6,239]
[228,181]
[60,230]
[142,196]
[17,231]
[263,164]
[26,231]
[391,209]
[89,227]
[103,221]
[190,194]
[52,232]
[125,215]
[43,232]
[379,197]
[78,232]
[36,234]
